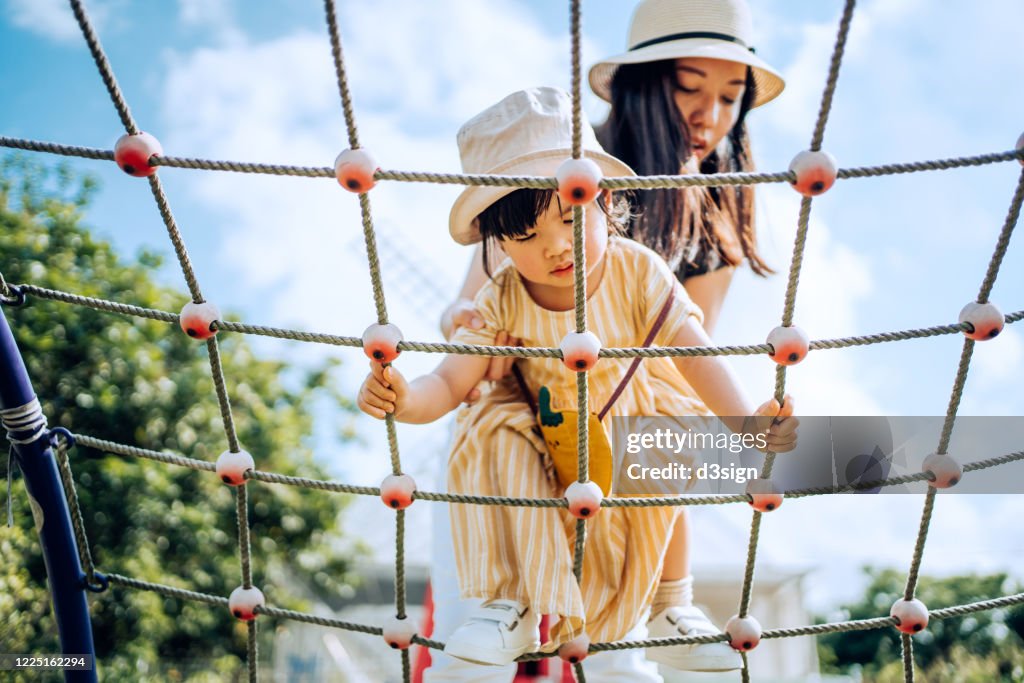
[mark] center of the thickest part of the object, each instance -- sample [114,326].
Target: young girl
[520,559]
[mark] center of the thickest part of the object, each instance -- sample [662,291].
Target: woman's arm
[711,376]
[460,312]
[708,292]
[715,383]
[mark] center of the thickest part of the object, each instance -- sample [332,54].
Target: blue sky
[253,81]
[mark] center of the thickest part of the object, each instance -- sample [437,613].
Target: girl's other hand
[384,391]
[463,313]
[777,423]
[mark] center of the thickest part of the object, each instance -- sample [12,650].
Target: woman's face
[708,94]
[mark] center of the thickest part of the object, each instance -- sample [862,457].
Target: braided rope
[613,183]
[907,651]
[106,73]
[1003,242]
[168,591]
[579,256]
[377,284]
[577,125]
[339,70]
[503,351]
[833,76]
[954,403]
[791,289]
[176,239]
[77,523]
[625,501]
[960,381]
[537,182]
[788,632]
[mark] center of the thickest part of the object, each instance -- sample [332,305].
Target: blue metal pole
[53,522]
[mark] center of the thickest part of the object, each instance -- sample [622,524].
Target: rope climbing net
[140,154]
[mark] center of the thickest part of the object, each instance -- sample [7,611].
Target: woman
[679,98]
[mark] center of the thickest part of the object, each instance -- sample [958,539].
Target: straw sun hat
[670,29]
[527,133]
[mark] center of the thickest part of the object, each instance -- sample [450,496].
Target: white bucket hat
[670,29]
[527,133]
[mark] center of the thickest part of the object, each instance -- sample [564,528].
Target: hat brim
[475,199]
[768,83]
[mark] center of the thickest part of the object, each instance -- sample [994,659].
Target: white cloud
[1000,359]
[51,19]
[199,12]
[216,16]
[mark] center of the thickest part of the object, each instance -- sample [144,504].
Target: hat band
[691,34]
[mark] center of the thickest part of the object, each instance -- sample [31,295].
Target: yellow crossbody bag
[561,429]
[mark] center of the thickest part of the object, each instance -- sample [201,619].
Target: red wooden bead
[133,152]
[765,496]
[398,633]
[243,602]
[197,320]
[354,169]
[947,471]
[584,499]
[911,615]
[791,345]
[576,650]
[396,491]
[231,467]
[579,350]
[744,632]
[380,342]
[986,320]
[815,172]
[578,181]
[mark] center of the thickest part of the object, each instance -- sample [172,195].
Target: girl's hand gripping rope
[777,423]
[384,391]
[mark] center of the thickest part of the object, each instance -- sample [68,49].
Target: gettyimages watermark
[701,455]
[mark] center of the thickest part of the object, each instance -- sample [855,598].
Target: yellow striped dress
[526,554]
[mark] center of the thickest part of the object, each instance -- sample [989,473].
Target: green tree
[982,646]
[145,383]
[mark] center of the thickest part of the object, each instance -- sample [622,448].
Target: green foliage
[982,646]
[145,383]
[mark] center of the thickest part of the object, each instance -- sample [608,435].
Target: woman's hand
[384,391]
[777,423]
[462,313]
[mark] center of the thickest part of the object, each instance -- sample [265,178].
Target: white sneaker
[690,621]
[496,633]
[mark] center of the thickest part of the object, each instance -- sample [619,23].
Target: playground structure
[42,453]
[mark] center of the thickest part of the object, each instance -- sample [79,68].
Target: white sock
[677,593]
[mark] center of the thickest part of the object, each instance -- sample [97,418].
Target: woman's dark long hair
[647,131]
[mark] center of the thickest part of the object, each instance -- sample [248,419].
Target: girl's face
[543,256]
[708,94]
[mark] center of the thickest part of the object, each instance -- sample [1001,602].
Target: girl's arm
[426,398]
